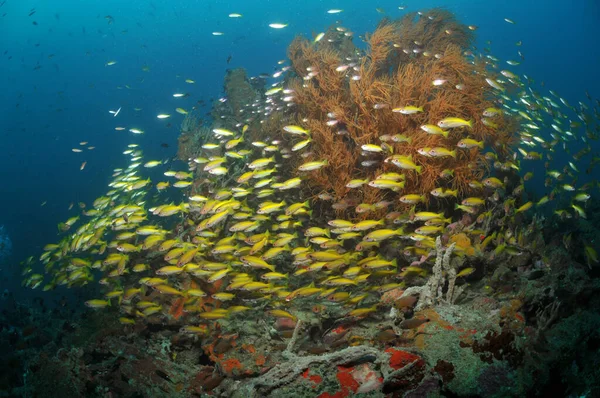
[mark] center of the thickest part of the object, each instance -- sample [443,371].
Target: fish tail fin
[480,145]
[445,133]
[411,213]
[453,154]
[419,169]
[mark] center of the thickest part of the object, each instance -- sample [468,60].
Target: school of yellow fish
[250,243]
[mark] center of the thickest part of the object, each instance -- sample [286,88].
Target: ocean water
[57,89]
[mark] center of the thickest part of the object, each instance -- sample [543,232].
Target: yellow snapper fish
[366,225]
[426,215]
[387,184]
[525,207]
[408,110]
[495,84]
[152,163]
[473,201]
[300,145]
[293,129]
[493,182]
[434,130]
[412,198]
[279,313]
[256,262]
[382,234]
[372,148]
[404,162]
[444,192]
[356,183]
[490,112]
[579,210]
[288,184]
[313,165]
[467,143]
[97,303]
[439,152]
[454,122]
[222,132]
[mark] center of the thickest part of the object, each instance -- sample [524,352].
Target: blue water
[57,91]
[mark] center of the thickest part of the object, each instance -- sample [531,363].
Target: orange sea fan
[388,78]
[380,47]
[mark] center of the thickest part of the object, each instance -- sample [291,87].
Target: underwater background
[59,83]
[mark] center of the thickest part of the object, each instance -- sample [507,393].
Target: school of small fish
[242,238]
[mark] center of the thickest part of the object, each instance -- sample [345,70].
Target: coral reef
[487,346]
[337,236]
